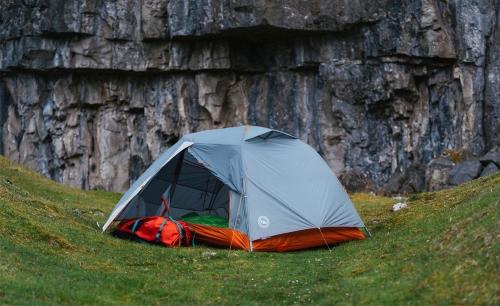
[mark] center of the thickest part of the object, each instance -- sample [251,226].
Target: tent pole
[177,172]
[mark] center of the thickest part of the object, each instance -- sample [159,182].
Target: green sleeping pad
[205,220]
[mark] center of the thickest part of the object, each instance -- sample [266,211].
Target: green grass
[443,249]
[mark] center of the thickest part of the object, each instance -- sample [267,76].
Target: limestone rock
[410,181]
[356,181]
[490,169]
[437,173]
[91,92]
[465,171]
[493,156]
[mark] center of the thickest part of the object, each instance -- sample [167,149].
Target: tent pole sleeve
[237,215]
[245,202]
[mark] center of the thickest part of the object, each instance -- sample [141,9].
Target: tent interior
[188,186]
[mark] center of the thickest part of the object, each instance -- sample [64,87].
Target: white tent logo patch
[263,222]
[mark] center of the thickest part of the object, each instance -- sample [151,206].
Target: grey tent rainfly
[275,191]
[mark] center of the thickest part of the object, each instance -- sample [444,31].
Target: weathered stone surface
[356,181]
[437,173]
[492,85]
[92,91]
[410,181]
[465,171]
[493,156]
[490,169]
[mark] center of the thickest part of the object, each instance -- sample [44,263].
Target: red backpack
[157,229]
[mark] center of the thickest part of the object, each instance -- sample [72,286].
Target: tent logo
[263,222]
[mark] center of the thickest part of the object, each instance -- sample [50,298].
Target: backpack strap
[136,224]
[158,234]
[180,230]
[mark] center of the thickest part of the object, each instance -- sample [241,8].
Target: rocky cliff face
[91,91]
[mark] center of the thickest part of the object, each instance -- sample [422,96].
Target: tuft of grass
[442,249]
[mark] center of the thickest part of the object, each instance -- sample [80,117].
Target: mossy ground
[442,249]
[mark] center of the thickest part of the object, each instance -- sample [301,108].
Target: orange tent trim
[305,239]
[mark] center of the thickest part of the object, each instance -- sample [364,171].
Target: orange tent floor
[305,239]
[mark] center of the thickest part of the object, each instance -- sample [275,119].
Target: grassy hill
[443,249]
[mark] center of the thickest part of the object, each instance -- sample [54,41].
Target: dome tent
[276,192]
